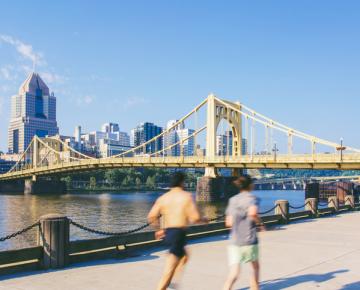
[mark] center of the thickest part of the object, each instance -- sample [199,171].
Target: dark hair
[177,179]
[244,182]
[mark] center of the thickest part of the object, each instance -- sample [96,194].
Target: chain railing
[105,233]
[18,233]
[146,225]
[268,211]
[298,207]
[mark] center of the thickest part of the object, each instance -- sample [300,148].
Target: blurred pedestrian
[177,210]
[242,217]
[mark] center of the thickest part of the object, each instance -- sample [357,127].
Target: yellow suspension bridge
[50,155]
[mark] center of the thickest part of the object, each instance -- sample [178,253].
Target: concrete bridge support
[42,186]
[211,189]
[13,186]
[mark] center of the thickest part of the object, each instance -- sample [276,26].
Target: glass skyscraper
[145,132]
[33,112]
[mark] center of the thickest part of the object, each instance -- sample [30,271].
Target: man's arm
[253,214]
[229,221]
[154,220]
[154,214]
[229,215]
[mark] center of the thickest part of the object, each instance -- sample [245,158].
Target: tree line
[128,178]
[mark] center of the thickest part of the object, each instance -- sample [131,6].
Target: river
[104,211]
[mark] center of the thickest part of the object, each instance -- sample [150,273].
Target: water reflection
[105,211]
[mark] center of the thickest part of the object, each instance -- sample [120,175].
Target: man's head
[244,183]
[178,179]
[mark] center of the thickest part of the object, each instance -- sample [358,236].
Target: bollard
[311,204]
[54,238]
[282,209]
[333,202]
[350,201]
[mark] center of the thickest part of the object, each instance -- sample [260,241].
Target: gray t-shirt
[243,232]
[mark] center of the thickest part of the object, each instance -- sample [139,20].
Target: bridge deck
[316,254]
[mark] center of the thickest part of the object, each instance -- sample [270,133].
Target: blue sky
[295,61]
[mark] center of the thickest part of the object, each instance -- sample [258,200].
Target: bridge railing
[324,160]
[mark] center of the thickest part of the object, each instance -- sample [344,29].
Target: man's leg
[254,283]
[180,269]
[171,264]
[233,276]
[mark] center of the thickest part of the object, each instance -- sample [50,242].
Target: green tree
[138,182]
[150,182]
[92,182]
[67,180]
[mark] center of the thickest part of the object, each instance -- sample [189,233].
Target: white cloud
[85,100]
[8,73]
[52,78]
[134,102]
[25,50]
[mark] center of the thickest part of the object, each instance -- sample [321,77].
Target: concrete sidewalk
[314,254]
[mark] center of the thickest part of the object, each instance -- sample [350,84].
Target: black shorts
[175,239]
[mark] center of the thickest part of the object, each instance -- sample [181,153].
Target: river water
[103,211]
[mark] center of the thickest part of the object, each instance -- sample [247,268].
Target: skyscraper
[33,112]
[176,134]
[224,143]
[145,132]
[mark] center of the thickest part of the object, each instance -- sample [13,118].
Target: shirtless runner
[177,210]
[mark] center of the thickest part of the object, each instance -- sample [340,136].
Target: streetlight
[341,148]
[275,150]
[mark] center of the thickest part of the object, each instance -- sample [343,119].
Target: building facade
[104,143]
[145,132]
[174,136]
[224,144]
[33,112]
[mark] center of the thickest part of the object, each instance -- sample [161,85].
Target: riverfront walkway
[314,254]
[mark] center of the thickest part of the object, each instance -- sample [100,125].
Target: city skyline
[305,81]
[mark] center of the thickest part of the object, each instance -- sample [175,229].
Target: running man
[177,210]
[242,217]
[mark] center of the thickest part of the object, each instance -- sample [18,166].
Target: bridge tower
[212,187]
[216,112]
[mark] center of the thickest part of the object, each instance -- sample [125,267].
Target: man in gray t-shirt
[242,217]
[243,230]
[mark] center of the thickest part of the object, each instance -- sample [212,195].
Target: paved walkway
[314,254]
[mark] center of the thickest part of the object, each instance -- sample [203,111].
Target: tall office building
[224,143]
[176,134]
[33,112]
[145,132]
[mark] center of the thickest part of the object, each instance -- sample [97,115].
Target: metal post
[282,208]
[333,202]
[54,238]
[311,204]
[275,150]
[350,201]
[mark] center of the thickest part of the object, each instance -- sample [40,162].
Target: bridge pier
[44,186]
[211,189]
[12,186]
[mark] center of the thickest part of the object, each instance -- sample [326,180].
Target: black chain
[104,233]
[268,211]
[8,237]
[297,207]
